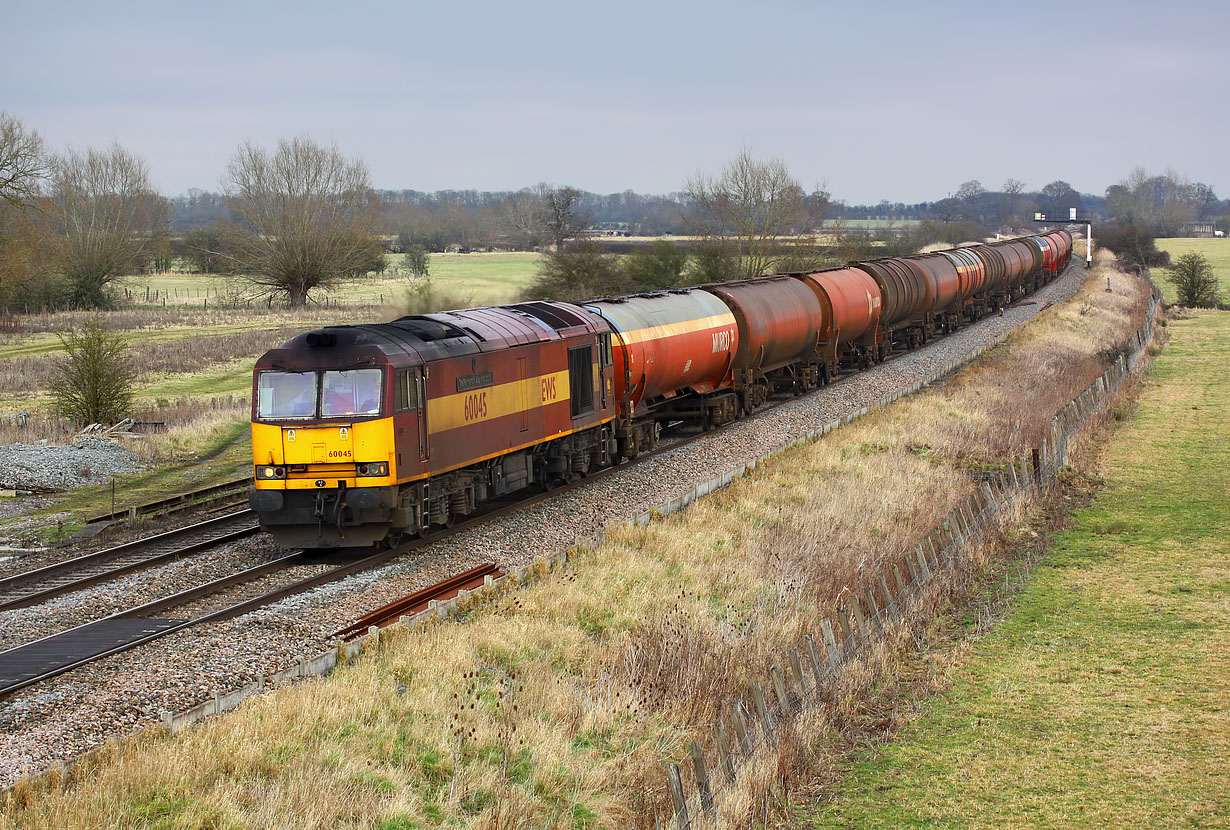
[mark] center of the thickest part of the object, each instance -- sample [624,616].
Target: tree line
[302,216]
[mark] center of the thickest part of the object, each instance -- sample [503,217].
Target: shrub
[94,380]
[1194,280]
[416,260]
[426,296]
[1134,245]
[581,271]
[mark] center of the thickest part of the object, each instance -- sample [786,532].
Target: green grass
[489,278]
[1101,699]
[1217,251]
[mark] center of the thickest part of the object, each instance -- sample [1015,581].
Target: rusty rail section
[420,600]
[222,493]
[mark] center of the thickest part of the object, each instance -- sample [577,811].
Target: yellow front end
[315,456]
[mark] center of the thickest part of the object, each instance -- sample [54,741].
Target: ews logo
[549,392]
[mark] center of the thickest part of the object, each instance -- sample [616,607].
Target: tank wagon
[364,434]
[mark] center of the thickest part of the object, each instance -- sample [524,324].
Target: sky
[901,101]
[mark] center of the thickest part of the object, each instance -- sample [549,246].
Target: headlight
[377,469]
[266,472]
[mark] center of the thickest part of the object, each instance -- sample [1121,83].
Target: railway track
[41,584]
[51,656]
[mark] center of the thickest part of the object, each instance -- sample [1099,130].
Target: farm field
[189,351]
[1100,700]
[488,278]
[1217,251]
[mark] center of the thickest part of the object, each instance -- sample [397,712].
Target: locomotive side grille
[581,379]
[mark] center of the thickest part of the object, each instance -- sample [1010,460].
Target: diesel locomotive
[363,434]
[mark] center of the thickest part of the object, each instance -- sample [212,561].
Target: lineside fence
[859,624]
[808,674]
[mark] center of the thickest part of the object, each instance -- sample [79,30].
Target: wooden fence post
[779,688]
[847,630]
[723,747]
[899,580]
[864,632]
[739,721]
[763,711]
[923,565]
[911,569]
[874,613]
[830,643]
[885,593]
[681,803]
[702,776]
[799,677]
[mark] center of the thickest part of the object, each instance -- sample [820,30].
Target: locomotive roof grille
[426,329]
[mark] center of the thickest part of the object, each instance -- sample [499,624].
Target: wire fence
[809,673]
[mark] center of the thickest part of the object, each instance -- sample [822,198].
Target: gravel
[68,715]
[53,468]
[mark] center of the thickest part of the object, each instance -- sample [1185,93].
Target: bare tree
[754,204]
[23,164]
[1013,188]
[1161,204]
[971,190]
[564,218]
[308,213]
[524,217]
[104,217]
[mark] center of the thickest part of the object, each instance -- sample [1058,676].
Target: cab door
[420,386]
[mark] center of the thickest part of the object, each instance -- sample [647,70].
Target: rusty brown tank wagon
[364,434]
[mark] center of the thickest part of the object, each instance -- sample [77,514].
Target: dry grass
[556,705]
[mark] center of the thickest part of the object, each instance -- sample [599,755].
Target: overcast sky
[878,100]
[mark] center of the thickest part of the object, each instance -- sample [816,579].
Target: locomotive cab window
[286,395]
[581,379]
[405,391]
[352,392]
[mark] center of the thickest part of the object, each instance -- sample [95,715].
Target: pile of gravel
[44,469]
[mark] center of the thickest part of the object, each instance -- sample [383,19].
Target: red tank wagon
[781,326]
[674,352]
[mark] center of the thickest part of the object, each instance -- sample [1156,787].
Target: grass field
[1217,251]
[487,278]
[1101,699]
[200,346]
